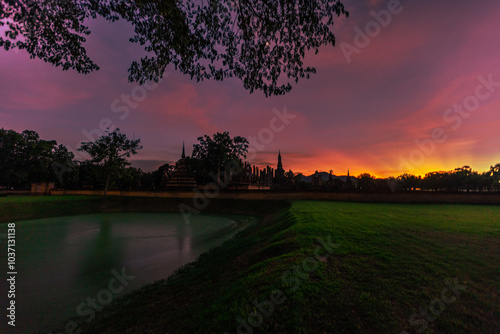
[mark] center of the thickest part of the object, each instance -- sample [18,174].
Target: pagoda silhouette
[348,183]
[182,178]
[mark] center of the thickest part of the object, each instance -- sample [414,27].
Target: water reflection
[183,236]
[64,260]
[101,255]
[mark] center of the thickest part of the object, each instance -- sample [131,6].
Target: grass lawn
[15,208]
[390,268]
[21,199]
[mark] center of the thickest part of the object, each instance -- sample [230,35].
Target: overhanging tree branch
[265,52]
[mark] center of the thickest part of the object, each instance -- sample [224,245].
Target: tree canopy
[25,158]
[212,154]
[366,182]
[110,152]
[262,43]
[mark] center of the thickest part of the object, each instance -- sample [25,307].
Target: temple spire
[348,182]
[182,178]
[280,172]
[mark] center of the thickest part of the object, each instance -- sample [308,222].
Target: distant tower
[316,183]
[279,181]
[182,177]
[348,182]
[280,171]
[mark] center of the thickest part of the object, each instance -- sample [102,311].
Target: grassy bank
[16,208]
[431,197]
[392,268]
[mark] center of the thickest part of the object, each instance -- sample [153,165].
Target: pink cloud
[362,116]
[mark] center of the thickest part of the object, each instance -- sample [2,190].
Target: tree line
[25,158]
[460,179]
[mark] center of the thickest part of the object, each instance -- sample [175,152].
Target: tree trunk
[106,186]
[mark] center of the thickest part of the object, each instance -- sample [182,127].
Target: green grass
[391,261]
[41,199]
[15,208]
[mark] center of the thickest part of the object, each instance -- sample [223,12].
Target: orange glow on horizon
[341,169]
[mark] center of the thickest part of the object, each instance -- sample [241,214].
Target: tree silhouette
[262,43]
[495,176]
[495,170]
[366,182]
[26,158]
[212,154]
[408,181]
[110,152]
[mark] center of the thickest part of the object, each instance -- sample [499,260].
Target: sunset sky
[392,105]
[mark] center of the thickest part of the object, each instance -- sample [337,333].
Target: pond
[73,266]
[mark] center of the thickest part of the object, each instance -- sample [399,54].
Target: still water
[61,262]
